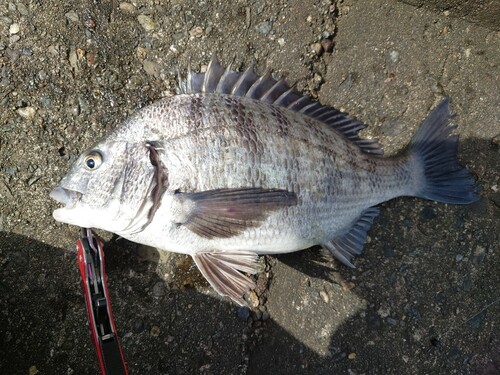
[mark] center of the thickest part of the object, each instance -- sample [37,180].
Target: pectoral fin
[223,271]
[223,213]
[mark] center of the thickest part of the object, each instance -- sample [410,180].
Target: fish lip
[65,196]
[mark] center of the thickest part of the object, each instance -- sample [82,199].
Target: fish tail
[440,177]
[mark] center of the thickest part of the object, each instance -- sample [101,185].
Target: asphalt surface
[424,297]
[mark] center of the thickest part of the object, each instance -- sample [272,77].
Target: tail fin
[445,180]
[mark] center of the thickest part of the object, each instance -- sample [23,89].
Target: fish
[237,165]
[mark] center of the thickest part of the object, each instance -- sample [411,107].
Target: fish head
[106,187]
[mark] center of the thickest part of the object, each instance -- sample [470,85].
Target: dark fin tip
[347,246]
[446,180]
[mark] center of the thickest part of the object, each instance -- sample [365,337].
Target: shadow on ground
[163,329]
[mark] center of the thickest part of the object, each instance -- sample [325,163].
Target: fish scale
[273,161]
[239,165]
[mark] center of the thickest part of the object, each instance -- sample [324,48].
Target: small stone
[83,103]
[496,140]
[159,289]
[253,300]
[14,39]
[32,180]
[33,370]
[243,313]
[8,127]
[459,258]
[392,321]
[72,16]
[309,19]
[479,255]
[73,58]
[326,34]
[281,41]
[351,356]
[196,32]
[141,53]
[324,296]
[146,22]
[383,312]
[27,112]
[317,48]
[155,331]
[264,27]
[138,326]
[89,23]
[53,49]
[347,285]
[467,284]
[11,171]
[46,102]
[127,7]
[151,68]
[21,8]
[14,28]
[91,59]
[394,56]
[428,213]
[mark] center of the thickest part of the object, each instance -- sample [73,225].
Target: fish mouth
[66,196]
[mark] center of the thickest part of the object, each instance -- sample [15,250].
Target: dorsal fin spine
[299,103]
[218,79]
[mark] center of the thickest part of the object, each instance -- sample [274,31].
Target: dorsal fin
[217,79]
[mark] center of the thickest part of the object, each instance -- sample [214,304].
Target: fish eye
[93,160]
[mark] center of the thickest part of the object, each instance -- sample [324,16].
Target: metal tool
[95,288]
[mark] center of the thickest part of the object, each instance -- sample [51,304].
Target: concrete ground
[424,297]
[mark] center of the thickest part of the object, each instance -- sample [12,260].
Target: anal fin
[345,247]
[224,272]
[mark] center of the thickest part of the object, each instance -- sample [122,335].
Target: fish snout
[65,196]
